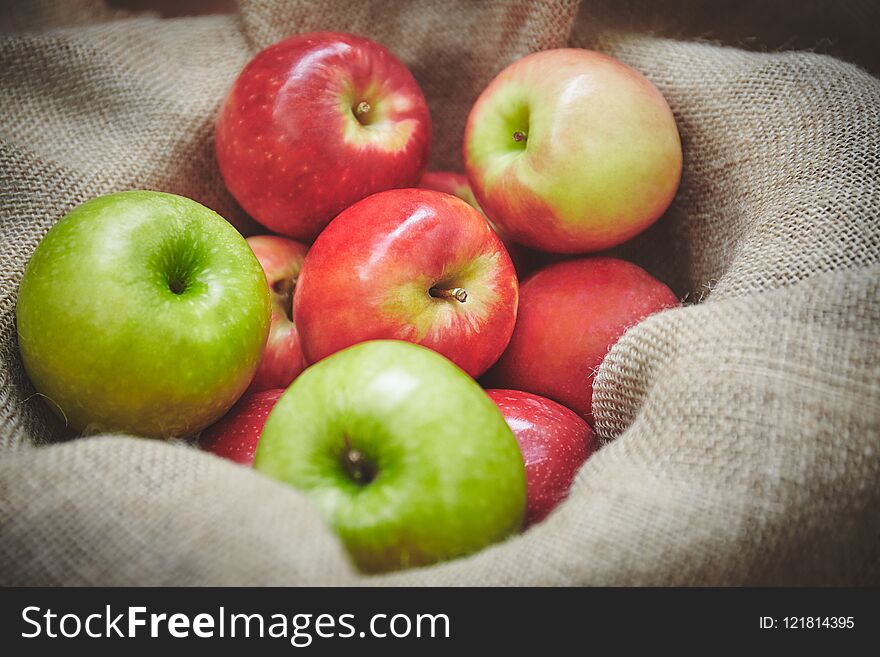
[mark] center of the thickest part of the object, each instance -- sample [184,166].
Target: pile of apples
[341,354]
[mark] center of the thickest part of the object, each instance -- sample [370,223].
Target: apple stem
[356,464]
[519,135]
[283,289]
[362,108]
[457,293]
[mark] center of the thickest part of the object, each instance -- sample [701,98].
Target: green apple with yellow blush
[572,151]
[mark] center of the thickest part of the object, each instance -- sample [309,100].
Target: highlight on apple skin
[405,455]
[142,312]
[572,151]
[592,301]
[554,442]
[413,265]
[525,260]
[346,369]
[317,122]
[282,361]
[236,434]
[450,182]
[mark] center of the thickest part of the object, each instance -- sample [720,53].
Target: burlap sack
[742,429]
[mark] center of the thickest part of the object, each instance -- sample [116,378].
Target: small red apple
[450,182]
[554,442]
[570,315]
[413,265]
[236,435]
[282,359]
[525,260]
[317,122]
[572,151]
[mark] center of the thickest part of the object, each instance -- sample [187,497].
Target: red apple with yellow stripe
[572,151]
[317,122]
[413,265]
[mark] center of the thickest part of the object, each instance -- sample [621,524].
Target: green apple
[407,457]
[142,312]
[572,151]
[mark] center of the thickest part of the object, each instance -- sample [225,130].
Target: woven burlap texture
[742,434]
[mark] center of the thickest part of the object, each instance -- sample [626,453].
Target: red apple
[408,264]
[236,435]
[570,315]
[450,182]
[525,260]
[317,122]
[554,443]
[571,151]
[282,359]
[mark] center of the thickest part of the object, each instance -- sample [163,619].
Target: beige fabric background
[742,429]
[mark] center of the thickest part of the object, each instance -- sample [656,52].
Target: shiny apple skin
[141,312]
[570,314]
[554,442]
[598,159]
[282,359]
[368,277]
[525,260]
[290,147]
[236,434]
[450,182]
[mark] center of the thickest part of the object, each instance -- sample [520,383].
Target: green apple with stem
[572,151]
[407,457]
[142,312]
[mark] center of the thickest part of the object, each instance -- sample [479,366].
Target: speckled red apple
[236,435]
[413,265]
[317,122]
[570,314]
[282,359]
[554,443]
